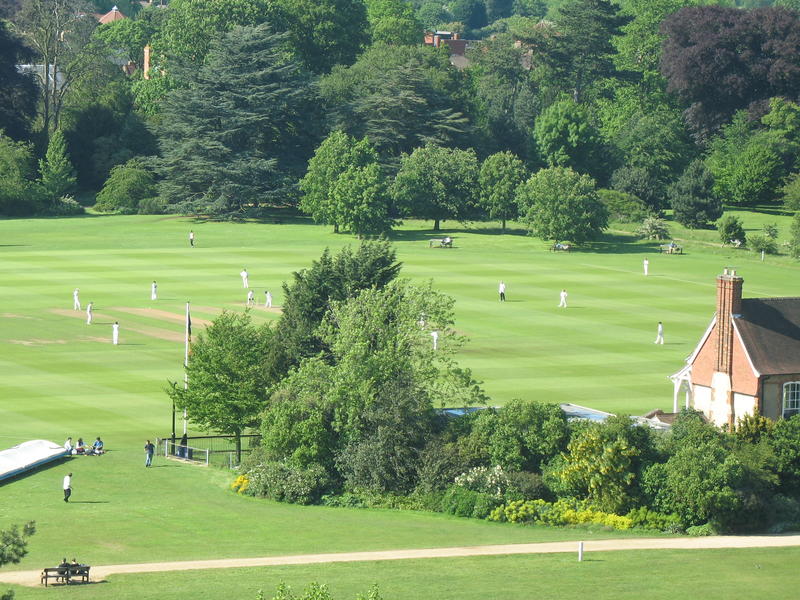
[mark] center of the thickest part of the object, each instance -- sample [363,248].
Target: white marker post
[580,551]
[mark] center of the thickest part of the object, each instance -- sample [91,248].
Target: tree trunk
[436,224]
[503,227]
[335,228]
[238,447]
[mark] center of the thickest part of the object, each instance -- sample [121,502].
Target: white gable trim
[744,347]
[703,339]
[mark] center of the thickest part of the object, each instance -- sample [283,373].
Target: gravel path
[31,578]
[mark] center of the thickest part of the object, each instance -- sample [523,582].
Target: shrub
[65,206]
[692,199]
[770,230]
[623,207]
[152,206]
[794,237]
[287,483]
[527,486]
[563,512]
[485,480]
[701,530]
[730,228]
[644,518]
[126,186]
[759,242]
[462,502]
[653,228]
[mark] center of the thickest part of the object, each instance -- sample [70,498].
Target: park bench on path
[66,574]
[440,242]
[671,248]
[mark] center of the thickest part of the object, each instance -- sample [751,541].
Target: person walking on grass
[76,301]
[563,302]
[250,298]
[267,299]
[646,266]
[154,290]
[149,451]
[245,278]
[191,238]
[435,336]
[659,334]
[67,486]
[502,290]
[89,313]
[115,333]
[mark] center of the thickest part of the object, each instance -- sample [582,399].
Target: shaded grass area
[740,574]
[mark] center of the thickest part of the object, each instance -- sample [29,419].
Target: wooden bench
[560,247]
[66,574]
[440,242]
[671,249]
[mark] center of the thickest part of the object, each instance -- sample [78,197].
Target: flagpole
[188,338]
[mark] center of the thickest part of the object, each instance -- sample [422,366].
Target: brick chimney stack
[729,305]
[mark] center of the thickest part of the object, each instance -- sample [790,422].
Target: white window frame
[791,399]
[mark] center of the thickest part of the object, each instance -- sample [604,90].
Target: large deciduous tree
[362,202]
[565,137]
[227,377]
[60,33]
[500,176]
[719,60]
[560,204]
[393,22]
[437,183]
[335,155]
[242,130]
[324,33]
[18,194]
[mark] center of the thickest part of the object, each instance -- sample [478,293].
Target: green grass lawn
[62,377]
[758,574]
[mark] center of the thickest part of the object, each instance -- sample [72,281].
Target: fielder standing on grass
[154,290]
[563,302]
[115,333]
[502,290]
[250,298]
[245,278]
[646,266]
[67,486]
[659,334]
[89,313]
[76,302]
[267,299]
[191,238]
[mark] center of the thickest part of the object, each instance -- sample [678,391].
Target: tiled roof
[770,330]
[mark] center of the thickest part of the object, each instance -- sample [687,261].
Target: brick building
[747,360]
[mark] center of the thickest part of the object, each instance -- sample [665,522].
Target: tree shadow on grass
[615,243]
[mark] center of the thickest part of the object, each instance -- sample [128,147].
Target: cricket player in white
[154,291]
[435,336]
[250,297]
[89,313]
[245,278]
[267,299]
[115,333]
[659,334]
[563,303]
[76,301]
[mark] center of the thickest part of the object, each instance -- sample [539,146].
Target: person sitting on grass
[80,447]
[68,445]
[97,446]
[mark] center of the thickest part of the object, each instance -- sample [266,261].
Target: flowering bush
[561,512]
[286,482]
[484,480]
[240,484]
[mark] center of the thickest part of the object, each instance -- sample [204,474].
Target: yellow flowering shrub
[240,484]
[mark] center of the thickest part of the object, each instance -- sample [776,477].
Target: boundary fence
[218,450]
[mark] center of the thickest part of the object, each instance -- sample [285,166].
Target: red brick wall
[743,380]
[703,366]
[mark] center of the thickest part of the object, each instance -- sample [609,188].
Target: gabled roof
[114,14]
[770,331]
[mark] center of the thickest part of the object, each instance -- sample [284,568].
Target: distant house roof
[770,331]
[113,15]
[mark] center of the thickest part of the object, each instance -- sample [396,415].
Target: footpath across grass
[741,574]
